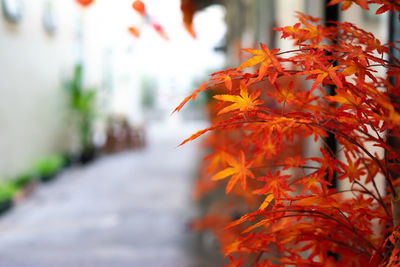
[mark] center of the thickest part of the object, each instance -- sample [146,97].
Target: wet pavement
[127,209]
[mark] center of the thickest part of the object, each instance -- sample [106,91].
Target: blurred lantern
[85,3]
[134,31]
[139,7]
[159,29]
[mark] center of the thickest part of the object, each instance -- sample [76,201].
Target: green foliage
[149,87]
[23,179]
[7,191]
[82,102]
[48,166]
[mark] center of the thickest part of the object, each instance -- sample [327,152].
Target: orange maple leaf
[234,263]
[191,96]
[347,3]
[264,56]
[239,170]
[387,5]
[345,97]
[275,184]
[217,158]
[283,93]
[315,182]
[328,164]
[225,77]
[352,169]
[313,33]
[321,73]
[293,162]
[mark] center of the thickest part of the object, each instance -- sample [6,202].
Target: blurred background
[87,91]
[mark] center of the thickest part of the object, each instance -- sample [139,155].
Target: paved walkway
[129,209]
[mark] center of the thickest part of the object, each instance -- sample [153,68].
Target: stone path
[129,209]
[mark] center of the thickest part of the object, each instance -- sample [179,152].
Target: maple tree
[261,113]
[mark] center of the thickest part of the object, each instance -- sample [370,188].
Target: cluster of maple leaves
[280,207]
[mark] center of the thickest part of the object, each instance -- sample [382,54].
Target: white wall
[32,102]
[286,15]
[108,51]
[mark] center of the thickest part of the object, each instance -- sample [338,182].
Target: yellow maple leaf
[243,102]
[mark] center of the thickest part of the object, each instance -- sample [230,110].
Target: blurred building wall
[250,22]
[108,55]
[33,64]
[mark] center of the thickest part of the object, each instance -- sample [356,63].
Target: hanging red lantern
[140,7]
[85,3]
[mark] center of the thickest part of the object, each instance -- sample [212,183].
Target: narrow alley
[128,209]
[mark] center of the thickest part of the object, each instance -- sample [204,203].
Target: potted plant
[7,191]
[82,102]
[25,184]
[47,168]
[23,180]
